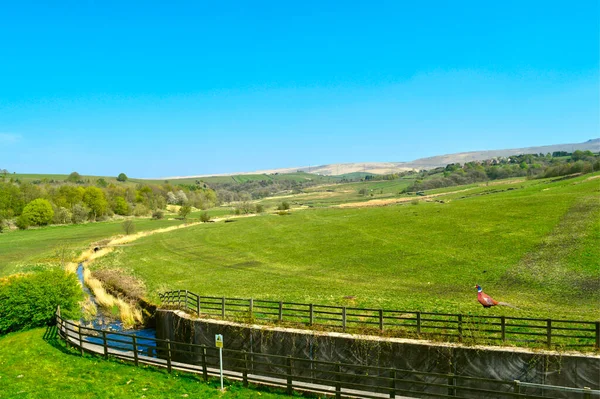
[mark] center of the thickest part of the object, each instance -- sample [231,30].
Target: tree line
[532,166]
[76,201]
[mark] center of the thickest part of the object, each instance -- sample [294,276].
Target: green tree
[74,177]
[121,206]
[185,210]
[101,182]
[284,206]
[95,200]
[122,177]
[38,212]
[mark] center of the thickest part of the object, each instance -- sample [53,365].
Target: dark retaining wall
[543,367]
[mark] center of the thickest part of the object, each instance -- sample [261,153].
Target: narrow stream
[146,344]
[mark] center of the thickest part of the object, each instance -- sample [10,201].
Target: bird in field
[487,301]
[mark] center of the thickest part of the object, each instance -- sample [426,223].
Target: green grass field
[21,249]
[32,366]
[534,246]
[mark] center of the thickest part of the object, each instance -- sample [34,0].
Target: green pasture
[20,250]
[35,365]
[535,246]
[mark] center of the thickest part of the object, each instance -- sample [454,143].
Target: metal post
[135,352]
[549,333]
[221,367]
[344,318]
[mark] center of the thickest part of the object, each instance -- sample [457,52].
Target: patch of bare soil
[390,201]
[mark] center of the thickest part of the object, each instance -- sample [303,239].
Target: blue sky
[182,88]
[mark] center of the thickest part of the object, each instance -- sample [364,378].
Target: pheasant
[487,301]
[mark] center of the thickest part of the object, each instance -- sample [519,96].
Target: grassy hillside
[533,244]
[33,366]
[21,249]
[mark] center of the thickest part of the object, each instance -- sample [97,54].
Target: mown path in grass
[424,257]
[21,250]
[34,367]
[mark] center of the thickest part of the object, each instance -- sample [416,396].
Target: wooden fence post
[338,383]
[204,367]
[587,393]
[451,385]
[251,308]
[381,319]
[245,372]
[80,340]
[418,323]
[393,384]
[186,300]
[598,335]
[549,333]
[280,311]
[503,327]
[344,318]
[312,314]
[223,307]
[168,355]
[105,344]
[460,328]
[198,305]
[290,388]
[135,352]
[517,386]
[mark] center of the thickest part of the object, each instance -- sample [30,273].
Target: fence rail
[299,374]
[550,333]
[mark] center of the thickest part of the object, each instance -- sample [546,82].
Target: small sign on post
[219,344]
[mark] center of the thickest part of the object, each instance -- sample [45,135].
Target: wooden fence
[569,334]
[299,374]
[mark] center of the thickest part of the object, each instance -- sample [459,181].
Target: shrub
[61,216]
[284,206]
[260,208]
[23,222]
[184,211]
[204,217]
[38,212]
[79,213]
[140,210]
[128,226]
[121,206]
[158,214]
[30,300]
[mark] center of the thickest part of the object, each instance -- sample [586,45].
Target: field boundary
[471,329]
[295,374]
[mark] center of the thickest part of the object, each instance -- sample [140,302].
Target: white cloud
[9,138]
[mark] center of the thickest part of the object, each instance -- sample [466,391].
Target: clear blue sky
[181,88]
